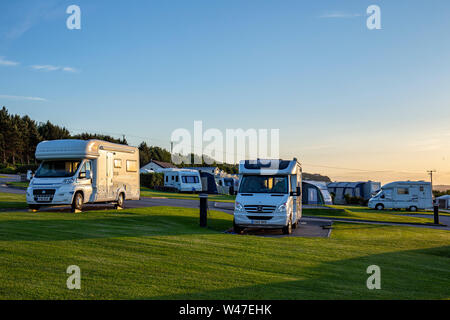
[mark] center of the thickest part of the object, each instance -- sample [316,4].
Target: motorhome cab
[183,180]
[269,195]
[410,195]
[78,171]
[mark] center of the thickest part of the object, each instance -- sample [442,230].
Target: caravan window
[176,179]
[402,191]
[264,184]
[189,179]
[167,178]
[57,169]
[117,163]
[131,165]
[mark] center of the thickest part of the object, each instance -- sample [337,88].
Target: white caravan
[79,171]
[410,195]
[269,195]
[183,180]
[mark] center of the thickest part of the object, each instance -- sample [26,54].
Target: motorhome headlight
[282,207]
[68,181]
[238,206]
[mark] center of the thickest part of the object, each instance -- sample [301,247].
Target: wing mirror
[297,192]
[88,174]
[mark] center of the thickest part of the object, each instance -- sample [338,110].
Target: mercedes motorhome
[76,172]
[269,195]
[410,195]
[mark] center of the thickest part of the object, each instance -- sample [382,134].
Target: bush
[152,180]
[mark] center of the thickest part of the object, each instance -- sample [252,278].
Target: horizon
[351,103]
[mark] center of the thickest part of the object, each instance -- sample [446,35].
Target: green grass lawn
[160,252]
[145,192]
[12,201]
[364,213]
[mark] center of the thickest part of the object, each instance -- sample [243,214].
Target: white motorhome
[410,195]
[79,171]
[183,180]
[269,195]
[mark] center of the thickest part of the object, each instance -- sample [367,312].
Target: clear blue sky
[342,95]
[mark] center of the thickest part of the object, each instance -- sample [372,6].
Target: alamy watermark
[74,280]
[213,146]
[374,280]
[74,20]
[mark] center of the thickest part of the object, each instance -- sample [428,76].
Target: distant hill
[441,187]
[315,177]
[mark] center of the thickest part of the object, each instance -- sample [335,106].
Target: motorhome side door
[109,175]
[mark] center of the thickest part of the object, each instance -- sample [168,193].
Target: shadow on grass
[124,225]
[12,205]
[404,275]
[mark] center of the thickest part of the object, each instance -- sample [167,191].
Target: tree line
[19,137]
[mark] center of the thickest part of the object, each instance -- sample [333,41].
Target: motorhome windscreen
[57,169]
[189,179]
[264,184]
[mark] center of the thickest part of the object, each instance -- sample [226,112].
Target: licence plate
[43,198]
[259,222]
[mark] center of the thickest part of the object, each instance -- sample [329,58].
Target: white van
[269,195]
[79,171]
[183,180]
[410,195]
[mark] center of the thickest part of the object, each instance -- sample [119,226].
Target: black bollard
[203,209]
[436,213]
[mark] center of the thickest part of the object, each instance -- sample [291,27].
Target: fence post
[203,209]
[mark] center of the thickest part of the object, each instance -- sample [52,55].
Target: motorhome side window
[117,163]
[57,169]
[264,184]
[86,166]
[189,179]
[402,191]
[131,165]
[176,179]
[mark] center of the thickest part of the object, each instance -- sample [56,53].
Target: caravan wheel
[120,202]
[77,203]
[288,228]
[413,208]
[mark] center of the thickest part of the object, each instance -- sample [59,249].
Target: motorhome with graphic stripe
[76,172]
[269,196]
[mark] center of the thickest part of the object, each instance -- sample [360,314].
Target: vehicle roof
[77,149]
[269,167]
[410,183]
[344,184]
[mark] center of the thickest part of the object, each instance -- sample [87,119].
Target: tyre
[77,203]
[413,209]
[120,202]
[288,228]
[236,228]
[379,207]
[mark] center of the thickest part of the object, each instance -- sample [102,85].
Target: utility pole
[430,172]
[171,147]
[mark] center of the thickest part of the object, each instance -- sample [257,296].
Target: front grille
[260,217]
[43,195]
[43,192]
[259,208]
